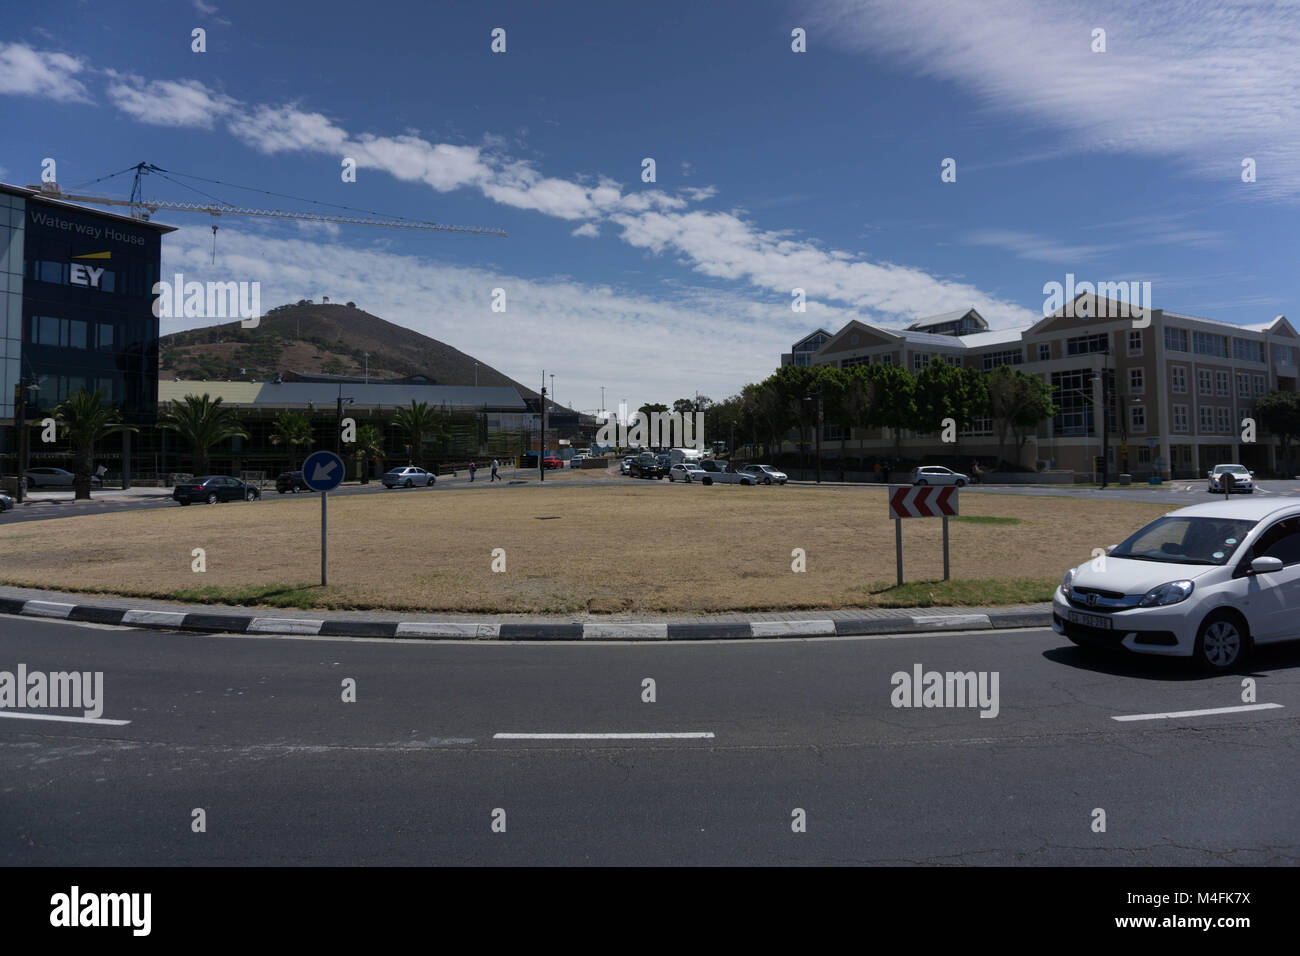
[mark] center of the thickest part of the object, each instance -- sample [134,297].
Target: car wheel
[408,483]
[707,481]
[769,481]
[1222,642]
[430,481]
[184,502]
[212,498]
[921,482]
[250,495]
[959,483]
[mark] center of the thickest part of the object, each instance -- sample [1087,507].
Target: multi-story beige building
[1180,386]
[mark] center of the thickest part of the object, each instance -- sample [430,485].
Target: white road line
[602,736]
[67,720]
[1200,713]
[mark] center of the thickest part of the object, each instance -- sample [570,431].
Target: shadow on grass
[962,593]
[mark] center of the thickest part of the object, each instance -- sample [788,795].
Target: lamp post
[367,355]
[20,426]
[820,417]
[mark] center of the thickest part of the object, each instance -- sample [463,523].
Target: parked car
[55,478]
[214,488]
[1206,582]
[290,481]
[689,473]
[6,503]
[765,474]
[1243,480]
[938,475]
[550,461]
[626,467]
[406,477]
[577,460]
[646,466]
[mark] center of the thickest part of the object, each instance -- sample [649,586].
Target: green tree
[420,421]
[1018,403]
[898,403]
[862,400]
[369,447]
[202,421]
[84,420]
[1279,414]
[292,430]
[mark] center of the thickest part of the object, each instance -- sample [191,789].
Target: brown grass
[629,547]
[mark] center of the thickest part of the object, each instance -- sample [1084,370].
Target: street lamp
[367,355]
[20,425]
[808,398]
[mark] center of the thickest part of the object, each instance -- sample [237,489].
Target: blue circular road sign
[323,471]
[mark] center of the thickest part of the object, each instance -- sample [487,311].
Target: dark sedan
[290,481]
[214,488]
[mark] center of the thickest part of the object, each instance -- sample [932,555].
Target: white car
[1207,582]
[765,474]
[689,473]
[937,475]
[626,467]
[1243,480]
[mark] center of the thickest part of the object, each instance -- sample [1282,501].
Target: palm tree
[203,421]
[291,429]
[420,421]
[85,420]
[368,447]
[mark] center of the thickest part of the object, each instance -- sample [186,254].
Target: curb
[207,622]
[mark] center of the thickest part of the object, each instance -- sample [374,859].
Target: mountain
[319,338]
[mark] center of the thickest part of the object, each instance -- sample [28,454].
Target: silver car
[938,475]
[55,478]
[1243,480]
[406,477]
[764,474]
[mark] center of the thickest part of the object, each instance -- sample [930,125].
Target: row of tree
[877,396]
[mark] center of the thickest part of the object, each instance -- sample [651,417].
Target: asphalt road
[254,732]
[1179,493]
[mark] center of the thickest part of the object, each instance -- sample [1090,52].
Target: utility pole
[367,355]
[541,454]
[602,399]
[476,374]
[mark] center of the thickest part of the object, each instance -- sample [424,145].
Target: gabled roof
[920,325]
[930,338]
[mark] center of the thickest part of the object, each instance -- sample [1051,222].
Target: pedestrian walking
[876,469]
[472,468]
[495,476]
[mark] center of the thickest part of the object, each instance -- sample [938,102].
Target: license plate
[1091,620]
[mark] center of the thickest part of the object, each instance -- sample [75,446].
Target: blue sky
[775,169]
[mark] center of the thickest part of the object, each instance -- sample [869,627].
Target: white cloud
[1202,83]
[1027,245]
[588,229]
[168,102]
[28,72]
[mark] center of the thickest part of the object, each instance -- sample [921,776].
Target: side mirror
[1265,565]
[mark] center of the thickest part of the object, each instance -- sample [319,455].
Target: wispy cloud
[50,75]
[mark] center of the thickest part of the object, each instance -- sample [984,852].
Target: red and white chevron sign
[923,502]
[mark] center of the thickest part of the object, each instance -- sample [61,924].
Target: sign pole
[898,548]
[324,525]
[945,547]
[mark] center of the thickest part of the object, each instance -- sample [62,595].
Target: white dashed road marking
[1199,713]
[67,720]
[682,736]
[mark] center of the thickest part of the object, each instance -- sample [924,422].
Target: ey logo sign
[85,274]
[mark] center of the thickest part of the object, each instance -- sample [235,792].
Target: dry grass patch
[628,547]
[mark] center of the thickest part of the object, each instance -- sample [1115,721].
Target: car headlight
[1066,581]
[1170,593]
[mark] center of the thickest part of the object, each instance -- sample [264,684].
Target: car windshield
[1235,469]
[1175,540]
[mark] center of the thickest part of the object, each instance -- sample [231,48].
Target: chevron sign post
[921,502]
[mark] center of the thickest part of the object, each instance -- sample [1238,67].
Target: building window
[1207,343]
[65,333]
[1175,339]
[853,339]
[1207,419]
[954,360]
[1180,418]
[1221,384]
[1045,352]
[1087,344]
[993,359]
[887,359]
[979,426]
[1243,385]
[1225,419]
[1285,354]
[919,361]
[1074,402]
[1259,384]
[1178,378]
[1135,343]
[1136,381]
[1137,417]
[1246,350]
[1204,381]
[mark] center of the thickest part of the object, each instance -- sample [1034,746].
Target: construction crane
[142,208]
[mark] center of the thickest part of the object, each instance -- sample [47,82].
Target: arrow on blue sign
[322,471]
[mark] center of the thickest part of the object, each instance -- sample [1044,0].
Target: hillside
[319,338]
